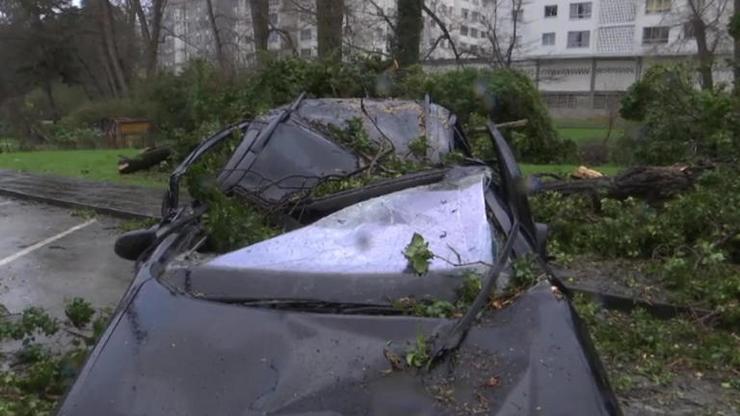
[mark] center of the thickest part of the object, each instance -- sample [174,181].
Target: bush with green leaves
[501,95]
[200,95]
[680,122]
[40,372]
[693,239]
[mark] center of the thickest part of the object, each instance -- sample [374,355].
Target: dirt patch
[686,395]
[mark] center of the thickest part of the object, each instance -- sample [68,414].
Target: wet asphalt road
[49,256]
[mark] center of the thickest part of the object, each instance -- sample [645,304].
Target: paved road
[48,256]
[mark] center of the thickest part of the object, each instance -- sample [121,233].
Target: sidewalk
[119,200]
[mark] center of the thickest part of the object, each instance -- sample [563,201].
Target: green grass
[98,165]
[564,170]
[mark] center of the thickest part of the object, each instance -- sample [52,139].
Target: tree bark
[145,160]
[409,24]
[330,19]
[150,32]
[220,55]
[260,11]
[106,22]
[50,97]
[706,58]
[654,184]
[736,34]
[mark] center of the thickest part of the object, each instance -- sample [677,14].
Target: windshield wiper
[449,337]
[317,306]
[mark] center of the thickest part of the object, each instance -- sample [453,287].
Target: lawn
[588,130]
[98,165]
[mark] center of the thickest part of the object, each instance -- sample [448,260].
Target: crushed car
[374,297]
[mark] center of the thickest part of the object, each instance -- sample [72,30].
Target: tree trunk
[106,21]
[330,19]
[706,57]
[145,160]
[409,24]
[220,56]
[50,97]
[736,34]
[150,32]
[654,184]
[260,11]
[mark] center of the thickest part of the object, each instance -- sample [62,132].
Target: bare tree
[109,47]
[705,19]
[223,61]
[151,30]
[703,23]
[503,22]
[444,36]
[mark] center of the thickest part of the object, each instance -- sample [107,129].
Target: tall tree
[223,61]
[705,17]
[409,24]
[110,50]
[329,19]
[150,22]
[260,11]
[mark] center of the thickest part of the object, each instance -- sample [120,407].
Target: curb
[115,212]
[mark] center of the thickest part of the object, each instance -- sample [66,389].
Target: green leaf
[418,254]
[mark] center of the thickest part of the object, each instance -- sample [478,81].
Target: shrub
[681,122]
[201,96]
[692,241]
[503,95]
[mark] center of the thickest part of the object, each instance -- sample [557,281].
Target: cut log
[651,183]
[144,160]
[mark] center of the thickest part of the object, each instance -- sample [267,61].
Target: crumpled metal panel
[299,152]
[169,354]
[359,249]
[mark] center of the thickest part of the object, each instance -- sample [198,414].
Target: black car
[308,322]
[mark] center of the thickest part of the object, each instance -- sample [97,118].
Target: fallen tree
[149,157]
[653,184]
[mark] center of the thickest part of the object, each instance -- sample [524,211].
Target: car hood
[170,354]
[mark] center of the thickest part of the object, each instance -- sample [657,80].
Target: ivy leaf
[418,254]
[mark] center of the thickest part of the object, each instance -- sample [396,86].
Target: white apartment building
[576,28]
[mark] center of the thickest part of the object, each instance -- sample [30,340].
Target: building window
[473,32]
[688,31]
[580,10]
[655,34]
[273,18]
[306,34]
[548,39]
[580,39]
[464,30]
[476,17]
[465,13]
[657,6]
[306,52]
[274,37]
[551,11]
